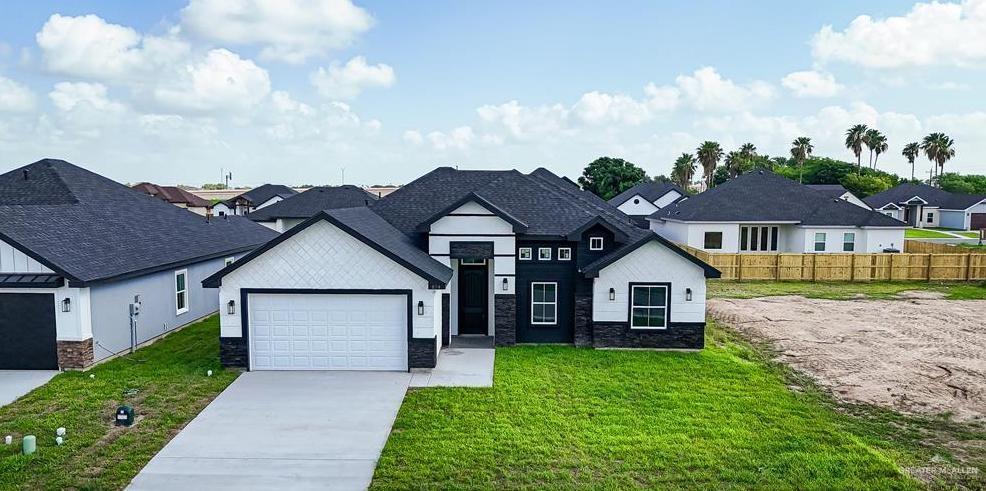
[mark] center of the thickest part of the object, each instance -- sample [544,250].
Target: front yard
[166,383]
[837,290]
[923,233]
[727,417]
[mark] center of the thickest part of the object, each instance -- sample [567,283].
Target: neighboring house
[521,258]
[642,200]
[763,212]
[921,206]
[176,196]
[254,199]
[838,191]
[78,252]
[289,212]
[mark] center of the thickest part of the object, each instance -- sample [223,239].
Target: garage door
[328,332]
[27,331]
[978,221]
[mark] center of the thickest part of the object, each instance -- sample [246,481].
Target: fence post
[968,266]
[777,267]
[739,267]
[852,267]
[930,258]
[890,277]
[814,268]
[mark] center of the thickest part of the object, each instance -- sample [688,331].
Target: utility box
[124,416]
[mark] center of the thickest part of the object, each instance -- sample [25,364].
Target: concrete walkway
[283,430]
[15,383]
[458,367]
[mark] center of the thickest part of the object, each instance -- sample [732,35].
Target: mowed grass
[921,233]
[722,418]
[165,382]
[842,290]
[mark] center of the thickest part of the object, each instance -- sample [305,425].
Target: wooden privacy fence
[921,247]
[846,267]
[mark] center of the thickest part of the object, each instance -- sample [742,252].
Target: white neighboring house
[839,191]
[643,199]
[923,206]
[254,199]
[292,211]
[764,212]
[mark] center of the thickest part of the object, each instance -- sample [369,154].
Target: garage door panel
[27,331]
[328,332]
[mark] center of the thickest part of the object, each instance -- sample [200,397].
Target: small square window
[228,261]
[595,243]
[713,240]
[525,254]
[820,242]
[564,254]
[544,254]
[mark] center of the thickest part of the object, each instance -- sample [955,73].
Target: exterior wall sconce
[66,305]
[612,294]
[231,307]
[688,294]
[421,307]
[506,284]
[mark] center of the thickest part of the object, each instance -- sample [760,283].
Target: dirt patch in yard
[919,355]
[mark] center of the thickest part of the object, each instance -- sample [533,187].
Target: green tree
[855,136]
[866,185]
[938,148]
[957,183]
[683,170]
[210,185]
[878,144]
[607,176]
[801,149]
[709,153]
[911,152]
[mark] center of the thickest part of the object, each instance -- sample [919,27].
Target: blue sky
[295,90]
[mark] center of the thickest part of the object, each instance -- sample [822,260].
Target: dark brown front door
[978,221]
[473,299]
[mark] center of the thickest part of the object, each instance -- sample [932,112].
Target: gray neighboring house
[922,206]
[291,211]
[254,199]
[79,252]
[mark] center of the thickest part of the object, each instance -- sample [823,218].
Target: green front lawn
[167,384]
[841,290]
[920,233]
[563,417]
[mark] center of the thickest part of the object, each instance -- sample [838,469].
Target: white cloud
[602,108]
[68,95]
[951,86]
[222,81]
[289,30]
[458,139]
[413,137]
[524,123]
[15,97]
[707,90]
[930,34]
[348,81]
[811,83]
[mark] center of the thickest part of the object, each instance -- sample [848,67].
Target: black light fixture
[612,294]
[231,307]
[421,307]
[688,294]
[506,284]
[66,305]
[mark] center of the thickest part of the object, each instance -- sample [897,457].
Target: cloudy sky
[295,91]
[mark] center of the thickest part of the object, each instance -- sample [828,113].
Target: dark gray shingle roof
[651,191]
[934,196]
[830,190]
[767,197]
[312,201]
[260,194]
[89,228]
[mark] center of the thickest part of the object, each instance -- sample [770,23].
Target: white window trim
[530,253]
[181,272]
[542,258]
[568,251]
[667,311]
[592,240]
[555,303]
[815,242]
[228,261]
[853,242]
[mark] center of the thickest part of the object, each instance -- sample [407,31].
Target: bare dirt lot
[918,354]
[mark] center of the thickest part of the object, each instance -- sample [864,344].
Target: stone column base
[74,355]
[505,319]
[422,352]
[233,353]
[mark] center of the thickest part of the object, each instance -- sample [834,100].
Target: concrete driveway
[283,430]
[15,383]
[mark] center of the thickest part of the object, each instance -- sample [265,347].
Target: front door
[473,299]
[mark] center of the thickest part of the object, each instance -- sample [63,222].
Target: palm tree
[683,170]
[854,141]
[879,144]
[911,151]
[748,150]
[871,139]
[709,153]
[801,149]
[938,148]
[734,163]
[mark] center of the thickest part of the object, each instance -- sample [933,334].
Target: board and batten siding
[472,222]
[15,261]
[650,263]
[324,257]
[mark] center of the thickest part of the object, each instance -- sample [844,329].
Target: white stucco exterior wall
[867,240]
[651,263]
[324,257]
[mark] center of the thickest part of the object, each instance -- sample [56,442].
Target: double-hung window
[544,303]
[181,291]
[820,242]
[849,242]
[649,306]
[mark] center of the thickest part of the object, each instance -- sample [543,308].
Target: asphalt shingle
[312,201]
[934,196]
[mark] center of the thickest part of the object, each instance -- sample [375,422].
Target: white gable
[638,206]
[15,261]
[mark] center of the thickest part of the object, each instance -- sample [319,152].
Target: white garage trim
[245,310]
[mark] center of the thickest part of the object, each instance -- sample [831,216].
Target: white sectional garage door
[328,332]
